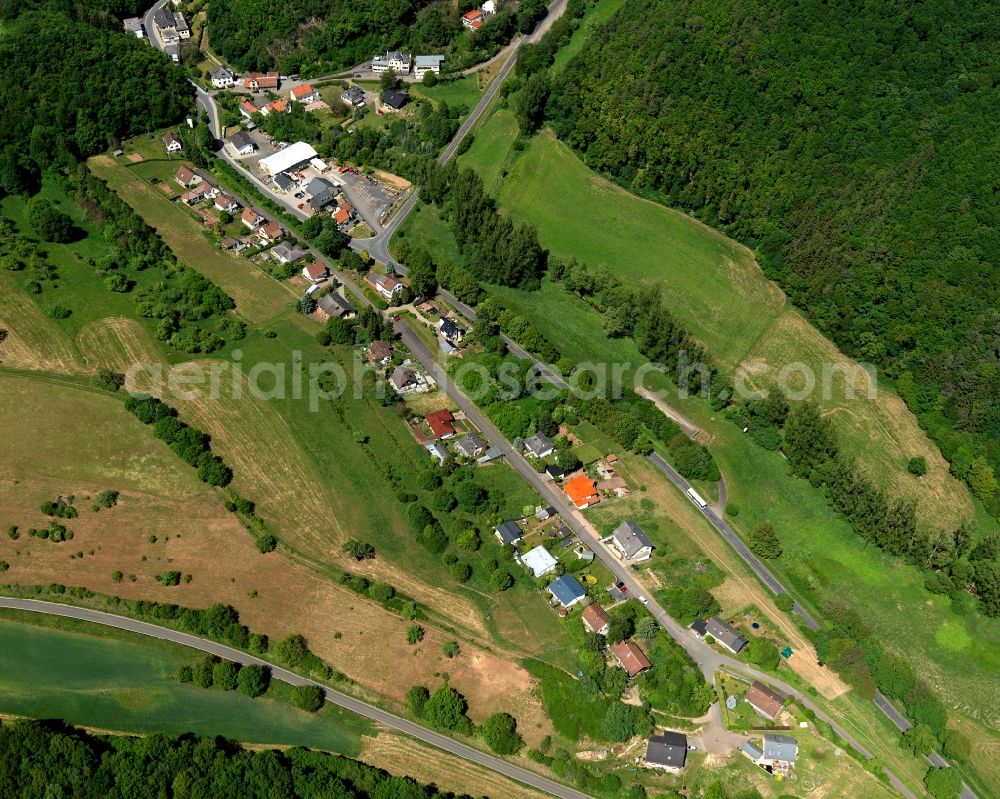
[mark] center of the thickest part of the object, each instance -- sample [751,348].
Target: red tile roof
[302,91]
[250,216]
[184,175]
[341,215]
[272,230]
[268,81]
[632,658]
[473,15]
[440,423]
[595,617]
[764,699]
[582,490]
[315,270]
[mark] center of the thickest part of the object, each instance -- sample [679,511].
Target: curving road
[332,695]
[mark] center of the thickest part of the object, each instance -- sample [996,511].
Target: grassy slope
[124,683]
[600,13]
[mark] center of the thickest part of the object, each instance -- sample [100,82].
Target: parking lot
[371,197]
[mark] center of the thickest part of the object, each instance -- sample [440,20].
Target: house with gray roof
[321,192]
[725,634]
[567,591]
[471,445]
[508,532]
[354,97]
[492,454]
[438,451]
[630,542]
[283,182]
[751,750]
[666,752]
[222,78]
[133,25]
[779,750]
[332,305]
[539,445]
[242,143]
[423,64]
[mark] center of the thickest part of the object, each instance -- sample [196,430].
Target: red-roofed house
[341,216]
[633,659]
[583,491]
[172,142]
[247,108]
[224,202]
[251,218]
[256,82]
[187,177]
[386,285]
[270,232]
[315,272]
[304,93]
[473,20]
[440,423]
[595,619]
[279,106]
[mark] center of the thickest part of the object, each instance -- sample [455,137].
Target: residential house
[333,306]
[231,244]
[354,97]
[595,619]
[508,532]
[315,272]
[247,108]
[195,195]
[423,64]
[242,143]
[394,99]
[270,232]
[172,142]
[630,542]
[287,159]
[542,513]
[251,218]
[567,591]
[539,561]
[470,445]
[438,451]
[321,193]
[440,423]
[386,285]
[451,331]
[725,634]
[380,352]
[165,26]
[222,78]
[286,253]
[183,31]
[283,183]
[342,215]
[279,106]
[699,628]
[394,60]
[779,752]
[583,553]
[539,445]
[582,491]
[765,701]
[666,752]
[227,203]
[404,379]
[133,25]
[631,657]
[257,82]
[554,472]
[447,347]
[304,93]
[473,20]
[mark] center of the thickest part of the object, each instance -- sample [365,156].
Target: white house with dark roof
[508,532]
[630,542]
[393,60]
[470,445]
[223,78]
[242,143]
[539,445]
[725,634]
[666,752]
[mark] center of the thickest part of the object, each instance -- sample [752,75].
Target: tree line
[72,762]
[871,206]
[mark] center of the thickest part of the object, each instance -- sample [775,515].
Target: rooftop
[631,538]
[567,590]
[509,532]
[632,658]
[668,749]
[539,561]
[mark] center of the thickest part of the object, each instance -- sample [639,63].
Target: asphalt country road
[332,695]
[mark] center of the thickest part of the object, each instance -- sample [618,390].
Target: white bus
[696,498]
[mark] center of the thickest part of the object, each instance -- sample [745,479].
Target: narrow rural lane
[332,695]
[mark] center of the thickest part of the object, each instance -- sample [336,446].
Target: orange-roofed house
[341,216]
[251,218]
[279,106]
[595,619]
[256,82]
[304,93]
[315,272]
[440,423]
[633,659]
[583,491]
[270,232]
[473,20]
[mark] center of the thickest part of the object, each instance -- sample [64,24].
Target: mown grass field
[258,297]
[125,684]
[463,92]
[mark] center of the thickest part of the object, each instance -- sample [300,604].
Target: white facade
[283,160]
[394,60]
[427,63]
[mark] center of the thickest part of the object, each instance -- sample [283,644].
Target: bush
[267,543]
[117,577]
[108,498]
[171,578]
[291,650]
[956,746]
[416,700]
[253,680]
[917,466]
[764,542]
[308,697]
[446,709]
[500,734]
[450,649]
[460,572]
[784,602]
[414,634]
[763,653]
[225,674]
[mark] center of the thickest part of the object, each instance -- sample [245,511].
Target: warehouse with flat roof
[292,156]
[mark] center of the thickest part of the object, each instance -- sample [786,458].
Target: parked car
[621,587]
[644,600]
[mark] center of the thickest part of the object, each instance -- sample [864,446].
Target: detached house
[441,423]
[334,306]
[386,285]
[404,379]
[582,491]
[257,81]
[473,20]
[224,202]
[187,177]
[539,445]
[595,619]
[427,63]
[304,94]
[666,752]
[450,330]
[725,634]
[470,446]
[172,142]
[764,700]
[508,532]
[393,60]
[380,352]
[270,232]
[631,657]
[777,755]
[251,218]
[539,561]
[223,78]
[354,97]
[567,591]
[315,272]
[247,108]
[242,143]
[285,253]
[630,543]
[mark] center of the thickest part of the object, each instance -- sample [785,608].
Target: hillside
[852,145]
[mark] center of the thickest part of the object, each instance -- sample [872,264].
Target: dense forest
[48,759]
[72,87]
[853,145]
[316,36]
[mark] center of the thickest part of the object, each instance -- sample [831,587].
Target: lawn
[459,93]
[124,684]
[425,226]
[258,297]
[491,151]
